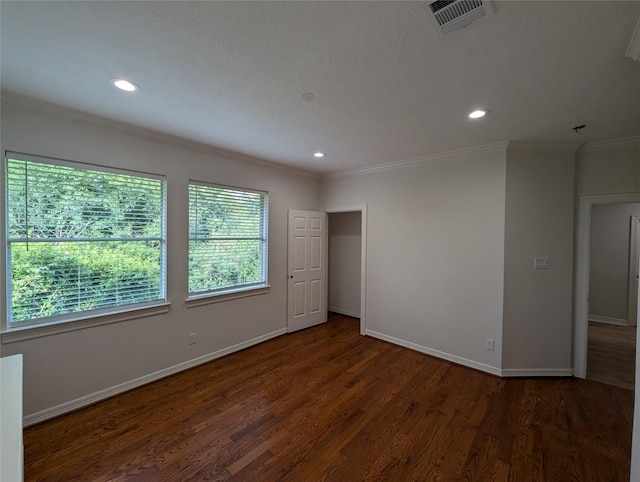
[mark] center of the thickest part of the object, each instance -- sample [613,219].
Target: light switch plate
[541,263]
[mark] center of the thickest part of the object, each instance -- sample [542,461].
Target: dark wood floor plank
[329,404]
[611,354]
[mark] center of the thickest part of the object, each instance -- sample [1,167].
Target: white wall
[609,261]
[539,223]
[609,167]
[435,250]
[345,240]
[61,368]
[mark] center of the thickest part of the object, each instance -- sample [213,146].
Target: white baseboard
[72,405]
[340,311]
[608,320]
[439,354]
[509,372]
[537,372]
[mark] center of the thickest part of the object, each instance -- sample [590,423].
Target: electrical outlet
[491,344]
[192,338]
[541,263]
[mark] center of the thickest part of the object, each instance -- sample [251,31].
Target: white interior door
[307,263]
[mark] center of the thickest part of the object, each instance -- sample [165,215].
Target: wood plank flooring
[329,404]
[611,354]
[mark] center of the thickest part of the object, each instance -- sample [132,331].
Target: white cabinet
[11,449]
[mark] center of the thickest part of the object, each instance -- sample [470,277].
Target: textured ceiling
[386,85]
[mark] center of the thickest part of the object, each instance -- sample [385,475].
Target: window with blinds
[227,239]
[81,240]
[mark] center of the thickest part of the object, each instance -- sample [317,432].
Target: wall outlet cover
[541,263]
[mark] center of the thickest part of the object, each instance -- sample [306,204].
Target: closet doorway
[346,277]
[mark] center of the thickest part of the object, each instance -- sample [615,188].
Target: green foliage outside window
[227,238]
[81,239]
[53,279]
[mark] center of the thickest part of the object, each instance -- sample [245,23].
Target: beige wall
[609,167]
[437,231]
[345,238]
[539,223]
[64,367]
[435,250]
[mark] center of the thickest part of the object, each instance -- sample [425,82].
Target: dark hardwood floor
[611,354]
[329,404]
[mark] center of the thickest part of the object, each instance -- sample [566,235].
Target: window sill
[13,335]
[208,298]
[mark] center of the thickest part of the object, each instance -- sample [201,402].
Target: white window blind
[227,238]
[81,239]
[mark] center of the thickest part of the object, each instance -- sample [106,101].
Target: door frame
[632,286]
[362,208]
[581,290]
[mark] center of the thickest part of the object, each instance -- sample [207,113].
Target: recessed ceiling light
[477,114]
[124,84]
[319,154]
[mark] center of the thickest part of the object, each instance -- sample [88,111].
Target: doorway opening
[613,289]
[594,303]
[347,262]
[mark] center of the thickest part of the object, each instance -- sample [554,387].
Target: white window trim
[74,164]
[226,295]
[204,297]
[80,320]
[12,335]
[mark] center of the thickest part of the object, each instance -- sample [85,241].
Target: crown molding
[466,152]
[633,141]
[633,50]
[53,110]
[567,148]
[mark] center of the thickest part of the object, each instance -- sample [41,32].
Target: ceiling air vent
[452,15]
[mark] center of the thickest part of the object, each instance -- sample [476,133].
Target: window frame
[57,323]
[240,290]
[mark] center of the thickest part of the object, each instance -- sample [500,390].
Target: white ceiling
[387,86]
